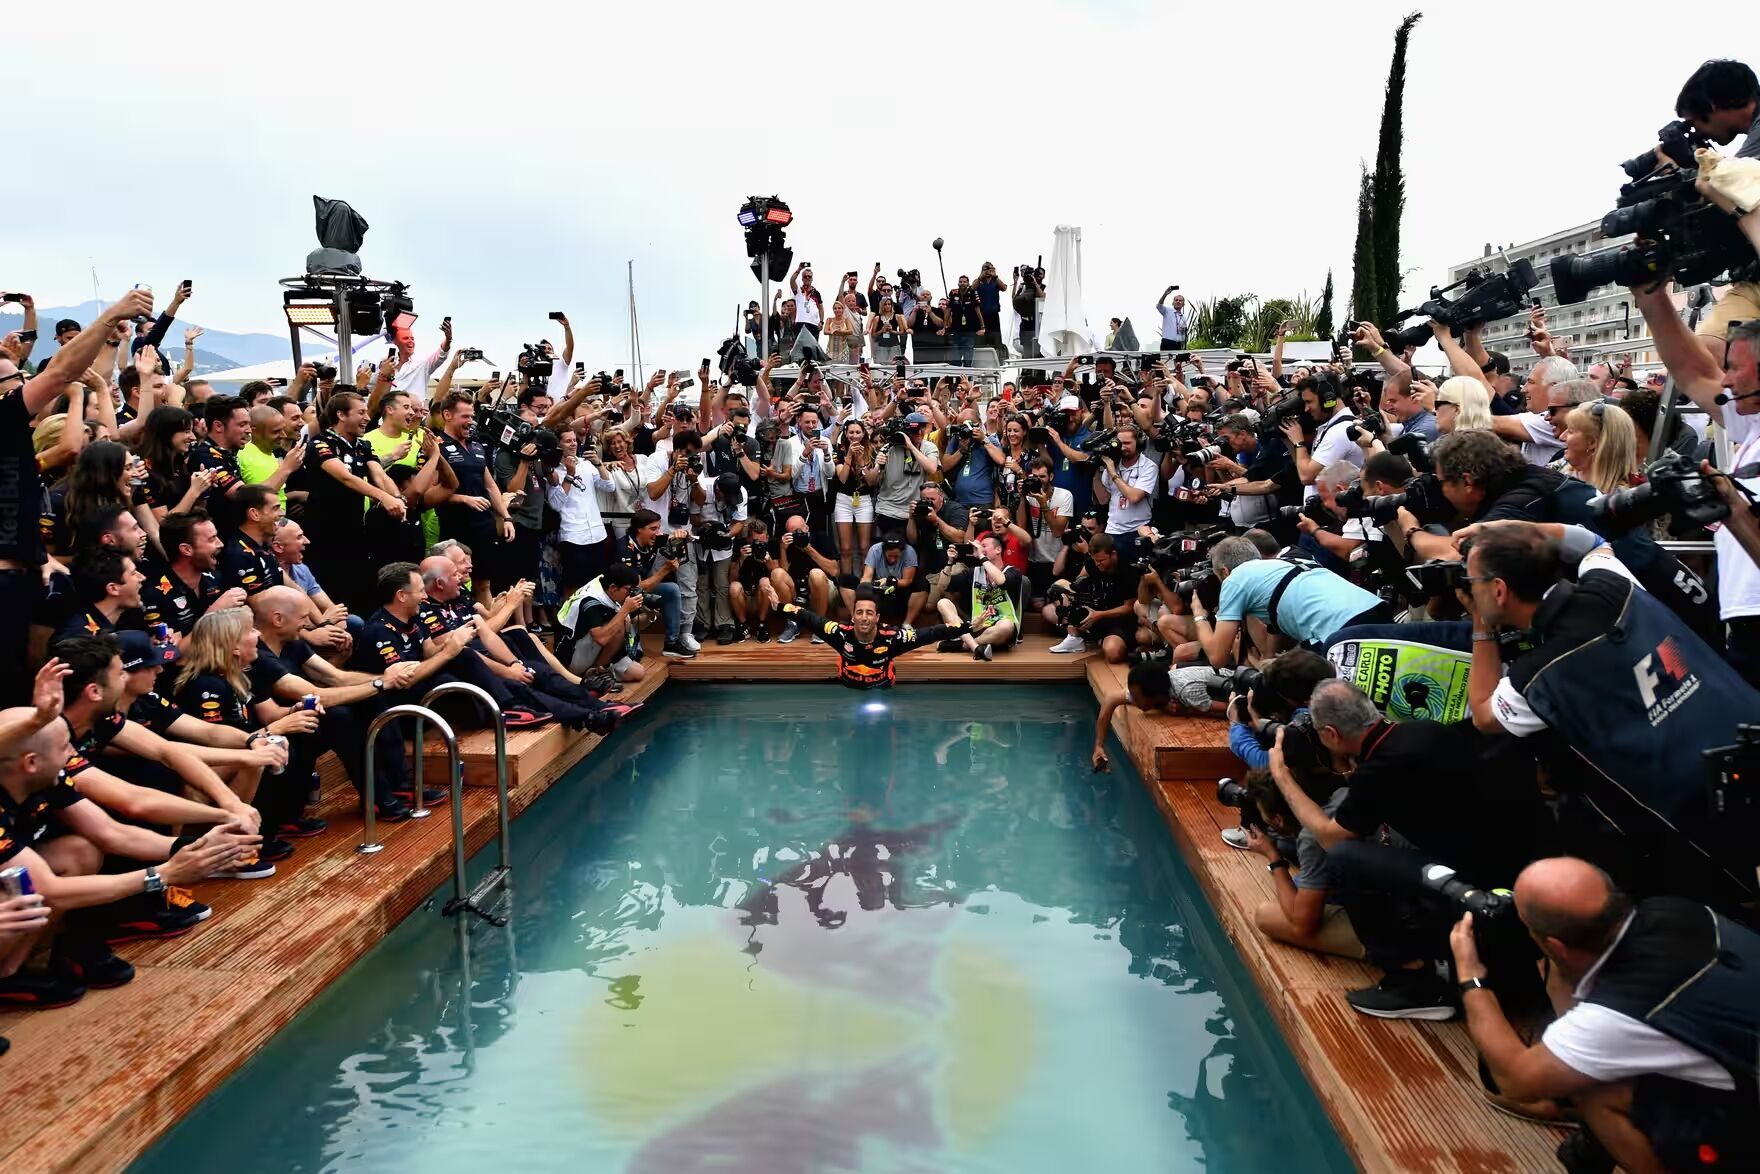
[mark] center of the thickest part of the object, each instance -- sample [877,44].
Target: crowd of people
[1445,638]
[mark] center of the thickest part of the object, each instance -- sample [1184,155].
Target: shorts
[1678,1117]
[1124,629]
[1740,303]
[846,509]
[1039,576]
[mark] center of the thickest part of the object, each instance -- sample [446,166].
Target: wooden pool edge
[1400,1095]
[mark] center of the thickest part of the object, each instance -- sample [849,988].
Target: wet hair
[1152,681]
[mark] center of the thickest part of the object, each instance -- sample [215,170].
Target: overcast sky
[511,158]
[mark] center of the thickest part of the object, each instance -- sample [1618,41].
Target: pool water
[800,929]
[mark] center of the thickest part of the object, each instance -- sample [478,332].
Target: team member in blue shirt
[1297,600]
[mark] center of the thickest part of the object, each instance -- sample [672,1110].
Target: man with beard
[865,650]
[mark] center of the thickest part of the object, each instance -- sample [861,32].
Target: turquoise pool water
[800,930]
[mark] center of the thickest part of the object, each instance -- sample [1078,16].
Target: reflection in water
[764,930]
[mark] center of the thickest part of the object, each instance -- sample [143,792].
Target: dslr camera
[1675,490]
[505,428]
[1680,233]
[1232,794]
[324,372]
[470,354]
[1073,605]
[1104,443]
[1437,576]
[714,536]
[1484,297]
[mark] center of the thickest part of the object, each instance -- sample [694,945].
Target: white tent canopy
[1063,319]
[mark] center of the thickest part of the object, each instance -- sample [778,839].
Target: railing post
[499,723]
[369,794]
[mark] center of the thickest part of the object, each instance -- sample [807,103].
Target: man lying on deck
[865,650]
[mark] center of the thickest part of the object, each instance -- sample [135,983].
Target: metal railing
[471,900]
[369,811]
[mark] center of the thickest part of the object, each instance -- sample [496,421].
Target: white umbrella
[1063,319]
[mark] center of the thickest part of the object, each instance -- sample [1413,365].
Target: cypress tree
[1389,184]
[1363,295]
[1323,323]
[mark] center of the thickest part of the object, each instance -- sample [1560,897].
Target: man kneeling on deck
[865,650]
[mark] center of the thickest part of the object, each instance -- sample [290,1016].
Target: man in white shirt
[808,310]
[1045,514]
[724,507]
[1326,408]
[1128,482]
[671,489]
[413,373]
[1533,429]
[1656,1009]
[1176,322]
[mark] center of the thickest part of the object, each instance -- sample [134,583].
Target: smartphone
[556,315]
[187,286]
[617,374]
[580,368]
[275,381]
[687,381]
[494,376]
[446,322]
[391,355]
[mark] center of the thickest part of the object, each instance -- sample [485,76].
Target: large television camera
[1680,233]
[1484,297]
[1675,489]
[505,428]
[736,365]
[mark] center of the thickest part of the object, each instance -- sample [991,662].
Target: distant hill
[216,350]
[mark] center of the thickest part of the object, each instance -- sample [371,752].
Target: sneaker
[950,646]
[273,849]
[1235,837]
[818,639]
[148,918]
[728,634]
[1070,644]
[391,810]
[761,633]
[1152,656]
[301,829]
[519,719]
[96,967]
[790,630]
[676,650]
[41,990]
[1406,994]
[984,652]
[431,796]
[689,640]
[254,869]
[1583,1153]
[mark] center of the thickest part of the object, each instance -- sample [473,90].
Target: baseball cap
[66,324]
[139,651]
[1069,403]
[916,419]
[892,541]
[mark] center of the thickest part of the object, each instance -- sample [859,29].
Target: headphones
[1326,391]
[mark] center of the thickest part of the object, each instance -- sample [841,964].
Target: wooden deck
[91,1087]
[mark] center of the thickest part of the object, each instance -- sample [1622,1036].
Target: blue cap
[916,418]
[139,651]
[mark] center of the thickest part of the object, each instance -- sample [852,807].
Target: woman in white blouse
[583,545]
[622,481]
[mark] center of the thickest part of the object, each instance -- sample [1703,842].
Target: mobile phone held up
[557,315]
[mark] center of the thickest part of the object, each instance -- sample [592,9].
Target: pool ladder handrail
[472,900]
[370,844]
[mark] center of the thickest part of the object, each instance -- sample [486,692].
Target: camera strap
[1296,567]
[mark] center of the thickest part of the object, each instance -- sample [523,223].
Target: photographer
[753,590]
[890,574]
[1360,541]
[673,492]
[1268,479]
[907,462]
[722,521]
[1631,715]
[1722,100]
[1128,481]
[1658,1005]
[655,564]
[1330,414]
[1698,376]
[1045,512]
[1299,914]
[603,618]
[520,476]
[1295,599]
[968,471]
[991,590]
[1101,605]
[1484,822]
[800,573]
[1029,291]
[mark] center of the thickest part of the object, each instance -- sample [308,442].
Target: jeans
[964,348]
[669,596]
[686,579]
[581,564]
[1396,918]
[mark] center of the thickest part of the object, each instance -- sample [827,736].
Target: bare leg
[736,599]
[845,547]
[864,539]
[819,591]
[1607,1113]
[1115,650]
[1000,634]
[950,615]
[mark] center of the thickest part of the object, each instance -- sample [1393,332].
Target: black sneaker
[391,810]
[1407,994]
[431,796]
[984,652]
[728,634]
[97,966]
[272,849]
[673,650]
[301,829]
[950,646]
[761,632]
[40,990]
[147,918]
[1582,1153]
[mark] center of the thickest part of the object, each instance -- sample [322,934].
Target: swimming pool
[800,929]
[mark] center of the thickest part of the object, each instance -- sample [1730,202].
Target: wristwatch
[1274,865]
[154,883]
[378,684]
[1471,984]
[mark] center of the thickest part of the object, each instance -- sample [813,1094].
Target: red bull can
[309,701]
[161,633]
[16,882]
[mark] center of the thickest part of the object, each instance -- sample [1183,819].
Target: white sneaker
[1070,644]
[1235,837]
[690,642]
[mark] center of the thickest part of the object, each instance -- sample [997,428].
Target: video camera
[676,549]
[505,428]
[535,363]
[1484,297]
[736,365]
[1073,605]
[1732,772]
[1104,443]
[1680,233]
[714,536]
[1675,489]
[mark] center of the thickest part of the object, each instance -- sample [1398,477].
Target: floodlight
[309,308]
[399,308]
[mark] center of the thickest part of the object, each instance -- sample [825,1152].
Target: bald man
[1658,1022]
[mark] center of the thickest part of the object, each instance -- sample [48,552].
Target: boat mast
[635,330]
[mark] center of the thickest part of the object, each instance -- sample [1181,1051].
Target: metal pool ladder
[497,878]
